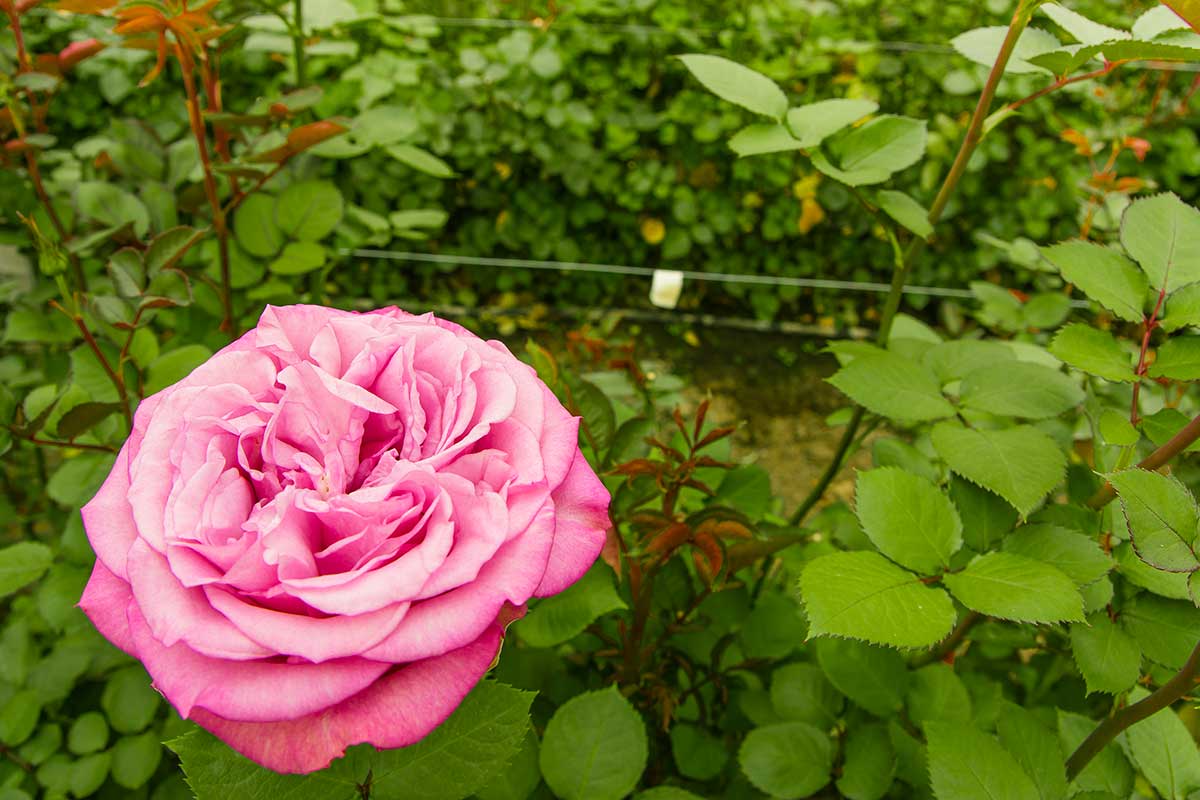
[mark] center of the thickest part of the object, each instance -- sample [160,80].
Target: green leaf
[698,754]
[420,160]
[129,701]
[1139,573]
[376,127]
[1108,657]
[1162,518]
[951,361]
[135,759]
[1162,747]
[1020,464]
[87,774]
[1166,630]
[594,747]
[1020,390]
[21,564]
[113,206]
[174,365]
[1182,308]
[36,81]
[813,123]
[1013,587]
[1083,29]
[519,778]
[298,258]
[1036,749]
[967,764]
[990,515]
[1162,233]
[1115,428]
[598,414]
[215,772]
[875,678]
[1046,310]
[896,453]
[736,84]
[871,153]
[894,387]
[556,619]
[763,137]
[788,759]
[862,595]
[19,716]
[88,733]
[77,479]
[907,212]
[869,763]
[255,228]
[408,221]
[1108,771]
[83,417]
[1076,555]
[801,692]
[169,246]
[1103,274]
[982,45]
[774,628]
[660,793]
[309,210]
[909,519]
[937,694]
[1094,351]
[1178,359]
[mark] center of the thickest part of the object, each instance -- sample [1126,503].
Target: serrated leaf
[788,759]
[892,452]
[871,153]
[894,387]
[1103,274]
[1013,587]
[951,361]
[991,516]
[1019,390]
[1162,233]
[1162,518]
[982,45]
[908,212]
[594,747]
[1109,658]
[1178,359]
[1182,309]
[1083,29]
[869,763]
[967,764]
[875,678]
[1076,555]
[1166,630]
[1162,747]
[909,519]
[737,84]
[1115,428]
[1108,771]
[21,564]
[556,619]
[1094,351]
[1139,573]
[1157,20]
[862,595]
[937,694]
[1036,749]
[1020,464]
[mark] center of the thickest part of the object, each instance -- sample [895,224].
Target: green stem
[1109,729]
[904,265]
[1175,445]
[298,44]
[117,381]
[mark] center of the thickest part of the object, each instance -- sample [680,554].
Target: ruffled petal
[395,711]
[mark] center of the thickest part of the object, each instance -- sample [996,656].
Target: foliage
[984,622]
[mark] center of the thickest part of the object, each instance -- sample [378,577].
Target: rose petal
[108,519]
[105,601]
[396,711]
[581,508]
[247,691]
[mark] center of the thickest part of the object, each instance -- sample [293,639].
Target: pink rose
[316,538]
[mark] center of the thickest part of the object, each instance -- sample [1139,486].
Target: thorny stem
[1177,444]
[904,264]
[1108,67]
[1148,325]
[117,380]
[1109,729]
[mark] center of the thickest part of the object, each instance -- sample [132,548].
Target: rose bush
[316,538]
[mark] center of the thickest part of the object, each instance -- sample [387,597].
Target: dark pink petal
[396,711]
[247,691]
[581,508]
[105,600]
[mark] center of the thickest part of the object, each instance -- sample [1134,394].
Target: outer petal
[108,519]
[105,600]
[581,507]
[249,691]
[396,711]
[453,619]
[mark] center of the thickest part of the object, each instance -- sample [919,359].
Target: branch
[1177,444]
[951,642]
[1110,728]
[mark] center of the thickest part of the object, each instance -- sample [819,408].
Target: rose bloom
[316,538]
